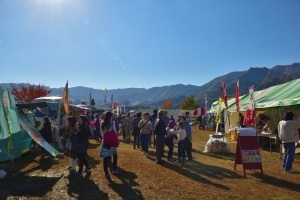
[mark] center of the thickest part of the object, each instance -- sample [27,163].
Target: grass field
[207,176]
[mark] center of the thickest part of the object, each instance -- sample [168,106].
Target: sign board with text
[247,150]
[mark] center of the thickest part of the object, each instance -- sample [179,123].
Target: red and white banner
[198,111]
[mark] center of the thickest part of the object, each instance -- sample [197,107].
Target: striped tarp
[286,94]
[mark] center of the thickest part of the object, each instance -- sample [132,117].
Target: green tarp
[287,94]
[9,127]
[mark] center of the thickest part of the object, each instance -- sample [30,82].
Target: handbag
[143,125]
[110,138]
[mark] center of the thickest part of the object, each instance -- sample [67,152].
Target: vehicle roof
[50,98]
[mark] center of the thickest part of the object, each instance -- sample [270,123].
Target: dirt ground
[207,176]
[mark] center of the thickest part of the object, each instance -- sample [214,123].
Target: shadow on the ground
[127,189]
[93,162]
[202,172]
[225,156]
[277,182]
[84,188]
[33,186]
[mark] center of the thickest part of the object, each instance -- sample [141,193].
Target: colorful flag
[237,96]
[66,99]
[224,94]
[251,99]
[250,113]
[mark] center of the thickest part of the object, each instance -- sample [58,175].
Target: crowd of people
[144,130]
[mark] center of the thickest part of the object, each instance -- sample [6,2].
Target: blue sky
[143,43]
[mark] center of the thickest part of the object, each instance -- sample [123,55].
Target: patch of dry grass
[208,176]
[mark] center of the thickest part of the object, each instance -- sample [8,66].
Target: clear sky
[143,43]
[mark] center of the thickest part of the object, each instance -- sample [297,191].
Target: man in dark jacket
[153,118]
[160,132]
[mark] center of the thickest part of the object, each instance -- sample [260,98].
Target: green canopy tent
[10,131]
[287,94]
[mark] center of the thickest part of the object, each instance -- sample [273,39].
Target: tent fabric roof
[286,94]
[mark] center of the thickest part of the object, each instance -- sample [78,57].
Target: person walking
[160,132]
[136,130]
[169,139]
[127,128]
[181,134]
[106,151]
[188,139]
[46,132]
[97,135]
[70,140]
[145,127]
[153,118]
[288,134]
[80,144]
[166,119]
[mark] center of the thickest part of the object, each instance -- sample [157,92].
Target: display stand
[247,150]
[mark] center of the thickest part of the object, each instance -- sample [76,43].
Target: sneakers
[79,175]
[87,170]
[115,171]
[160,162]
[291,170]
[107,176]
[170,159]
[145,154]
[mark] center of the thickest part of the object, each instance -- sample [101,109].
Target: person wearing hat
[188,146]
[160,132]
[169,139]
[145,127]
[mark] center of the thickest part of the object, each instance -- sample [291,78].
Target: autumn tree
[167,104]
[189,104]
[28,92]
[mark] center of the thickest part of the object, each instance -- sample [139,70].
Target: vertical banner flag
[112,100]
[35,135]
[250,113]
[237,96]
[105,92]
[251,99]
[206,102]
[218,118]
[224,94]
[66,99]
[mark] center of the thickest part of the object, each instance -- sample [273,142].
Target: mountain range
[259,77]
